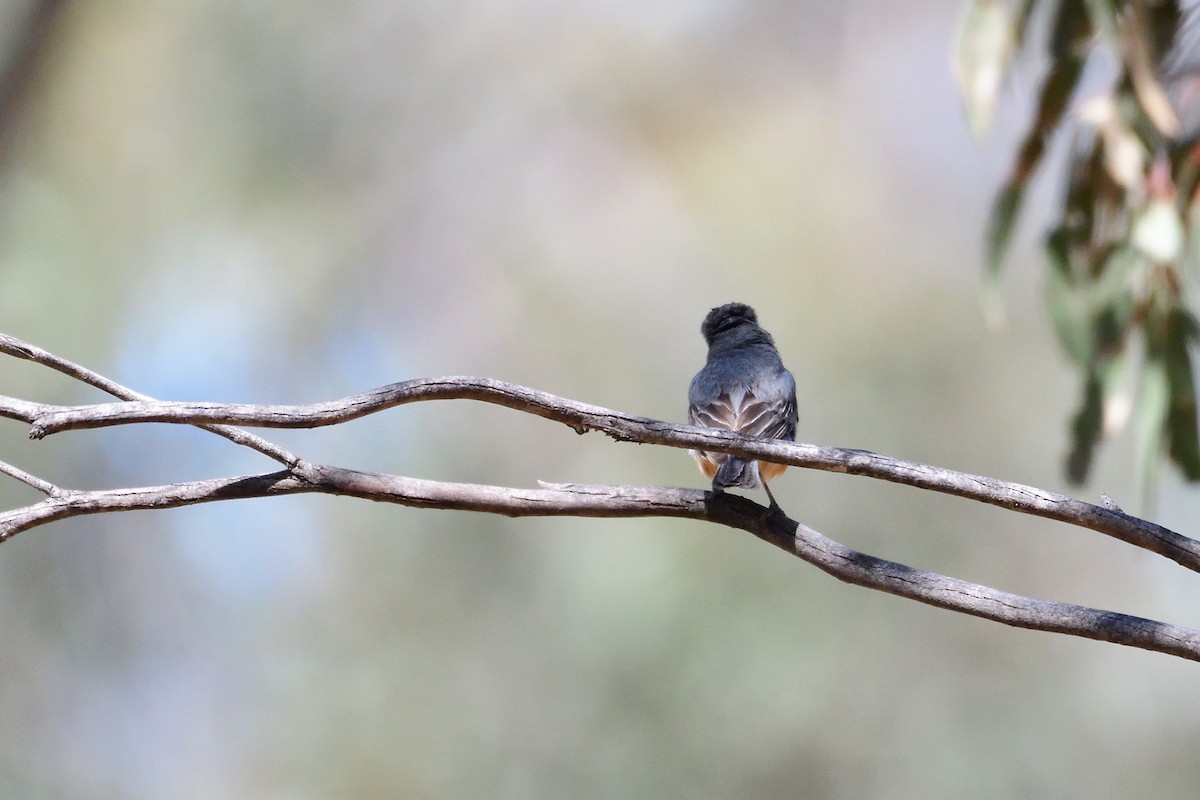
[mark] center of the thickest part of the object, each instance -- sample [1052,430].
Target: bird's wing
[772,415]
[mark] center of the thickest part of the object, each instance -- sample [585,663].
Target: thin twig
[583,417]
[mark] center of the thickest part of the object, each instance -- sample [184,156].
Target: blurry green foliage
[1123,249]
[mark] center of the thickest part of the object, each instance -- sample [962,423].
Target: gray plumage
[743,387]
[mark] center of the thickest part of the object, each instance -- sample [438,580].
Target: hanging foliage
[1125,244]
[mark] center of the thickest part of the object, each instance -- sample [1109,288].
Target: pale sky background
[289,202]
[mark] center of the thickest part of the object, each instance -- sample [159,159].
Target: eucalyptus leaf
[1128,220]
[1158,232]
[1103,16]
[1149,419]
[1117,383]
[1191,251]
[1066,305]
[1021,21]
[986,42]
[1086,428]
[1000,229]
[1181,427]
[1055,97]
[1071,30]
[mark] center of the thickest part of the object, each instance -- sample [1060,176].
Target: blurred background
[293,201]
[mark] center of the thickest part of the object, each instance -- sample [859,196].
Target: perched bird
[743,387]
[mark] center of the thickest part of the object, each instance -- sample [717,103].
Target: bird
[742,387]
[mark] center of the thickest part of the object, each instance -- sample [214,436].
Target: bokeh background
[292,201]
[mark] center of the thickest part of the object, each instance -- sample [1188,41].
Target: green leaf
[1086,429]
[1117,382]
[1103,16]
[1001,222]
[1000,229]
[1191,251]
[1071,30]
[1052,104]
[986,42]
[1065,304]
[1149,420]
[1158,231]
[1181,429]
[1112,285]
[1021,21]
[1092,313]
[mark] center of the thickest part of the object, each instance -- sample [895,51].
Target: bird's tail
[737,472]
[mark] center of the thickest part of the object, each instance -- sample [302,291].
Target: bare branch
[605,501]
[627,427]
[17,409]
[631,501]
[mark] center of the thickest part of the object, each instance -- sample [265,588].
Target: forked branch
[582,417]
[598,501]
